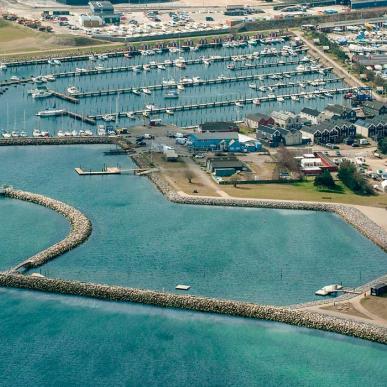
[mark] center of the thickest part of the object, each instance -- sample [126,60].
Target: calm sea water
[16,102]
[52,340]
[141,240]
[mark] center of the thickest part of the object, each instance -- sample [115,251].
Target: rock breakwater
[196,303]
[80,226]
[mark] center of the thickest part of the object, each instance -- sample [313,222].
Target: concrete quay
[80,227]
[196,303]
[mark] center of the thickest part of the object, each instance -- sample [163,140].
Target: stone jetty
[80,227]
[197,303]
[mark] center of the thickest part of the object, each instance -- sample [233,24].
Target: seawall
[57,140]
[80,227]
[197,303]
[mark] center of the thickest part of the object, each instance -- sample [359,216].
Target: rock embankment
[197,303]
[57,140]
[80,227]
[350,214]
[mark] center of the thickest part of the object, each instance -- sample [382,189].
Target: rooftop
[326,125]
[219,126]
[310,112]
[216,136]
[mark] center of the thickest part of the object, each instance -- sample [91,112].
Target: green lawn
[305,191]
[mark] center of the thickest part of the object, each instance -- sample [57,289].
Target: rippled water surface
[141,240]
[52,340]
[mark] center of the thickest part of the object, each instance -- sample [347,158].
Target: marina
[214,82]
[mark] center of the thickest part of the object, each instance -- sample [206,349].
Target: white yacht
[60,133]
[170,112]
[108,117]
[146,91]
[51,112]
[15,78]
[256,101]
[72,90]
[41,94]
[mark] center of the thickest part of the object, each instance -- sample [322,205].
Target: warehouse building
[358,4]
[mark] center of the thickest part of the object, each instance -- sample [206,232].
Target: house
[105,10]
[379,289]
[223,141]
[220,126]
[311,115]
[375,128]
[276,136]
[374,108]
[257,119]
[211,141]
[331,131]
[286,120]
[335,111]
[224,166]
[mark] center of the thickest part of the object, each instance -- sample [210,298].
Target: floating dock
[105,171]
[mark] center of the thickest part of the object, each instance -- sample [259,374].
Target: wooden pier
[80,117]
[241,78]
[243,101]
[104,171]
[86,72]
[64,97]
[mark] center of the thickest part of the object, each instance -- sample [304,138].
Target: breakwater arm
[80,227]
[197,303]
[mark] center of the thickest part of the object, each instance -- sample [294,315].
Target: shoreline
[294,314]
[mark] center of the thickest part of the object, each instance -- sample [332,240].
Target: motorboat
[51,113]
[256,101]
[196,79]
[103,57]
[231,66]
[239,104]
[170,112]
[294,98]
[92,58]
[72,90]
[101,130]
[99,68]
[6,135]
[74,133]
[161,67]
[50,77]
[57,62]
[42,94]
[146,67]
[151,107]
[180,87]
[130,115]
[170,82]
[15,78]
[280,99]
[172,94]
[253,86]
[146,91]
[136,91]
[60,133]
[108,117]
[3,66]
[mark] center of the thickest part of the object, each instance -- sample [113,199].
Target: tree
[234,179]
[286,161]
[382,145]
[351,177]
[189,175]
[325,180]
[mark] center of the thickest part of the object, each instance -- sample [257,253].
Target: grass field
[304,191]
[16,39]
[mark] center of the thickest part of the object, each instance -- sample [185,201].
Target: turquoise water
[52,340]
[141,240]
[20,221]
[15,101]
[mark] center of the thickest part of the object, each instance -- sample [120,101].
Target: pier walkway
[243,101]
[219,80]
[107,70]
